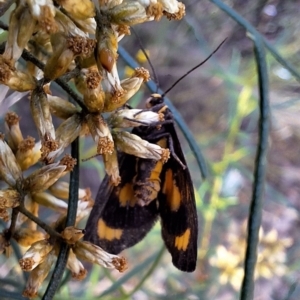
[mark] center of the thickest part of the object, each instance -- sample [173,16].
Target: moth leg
[170,145]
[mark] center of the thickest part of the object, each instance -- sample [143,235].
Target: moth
[124,214]
[150,190]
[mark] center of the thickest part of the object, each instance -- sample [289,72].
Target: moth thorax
[145,192]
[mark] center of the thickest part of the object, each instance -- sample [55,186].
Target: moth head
[154,100]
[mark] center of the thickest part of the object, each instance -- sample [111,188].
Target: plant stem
[47,228]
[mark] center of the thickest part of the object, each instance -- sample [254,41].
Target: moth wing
[178,211]
[116,222]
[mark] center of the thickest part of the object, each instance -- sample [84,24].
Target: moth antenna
[193,69]
[148,58]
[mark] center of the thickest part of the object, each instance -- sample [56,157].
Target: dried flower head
[35,255]
[94,254]
[38,275]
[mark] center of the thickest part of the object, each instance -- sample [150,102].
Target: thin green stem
[256,205]
[71,218]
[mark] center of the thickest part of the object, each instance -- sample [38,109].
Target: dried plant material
[100,133]
[71,234]
[35,255]
[15,79]
[76,267]
[28,153]
[61,108]
[9,198]
[10,171]
[27,236]
[79,10]
[134,145]
[41,114]
[44,177]
[94,254]
[21,27]
[112,167]
[38,275]
[13,132]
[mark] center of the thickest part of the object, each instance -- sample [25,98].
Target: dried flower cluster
[62,41]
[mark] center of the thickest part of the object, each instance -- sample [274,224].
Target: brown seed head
[81,46]
[120,264]
[93,79]
[123,29]
[155,10]
[69,162]
[142,73]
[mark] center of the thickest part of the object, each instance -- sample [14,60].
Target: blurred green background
[219,102]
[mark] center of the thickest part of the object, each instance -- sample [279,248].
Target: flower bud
[10,171]
[129,87]
[134,145]
[26,236]
[112,167]
[44,12]
[44,177]
[28,153]
[50,201]
[129,13]
[35,255]
[38,275]
[15,79]
[21,28]
[89,85]
[107,45]
[61,108]
[100,133]
[66,133]
[76,267]
[125,118]
[60,189]
[9,198]
[12,130]
[40,111]
[78,9]
[94,254]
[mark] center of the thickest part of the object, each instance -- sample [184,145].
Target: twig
[11,230]
[71,218]
[43,225]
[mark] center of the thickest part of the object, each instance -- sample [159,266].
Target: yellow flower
[229,265]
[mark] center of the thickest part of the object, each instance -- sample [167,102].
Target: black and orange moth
[149,190]
[124,214]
